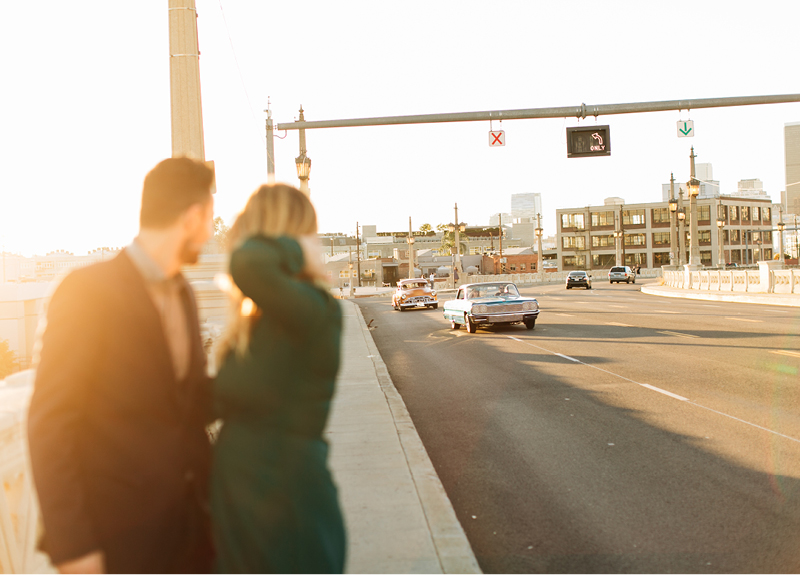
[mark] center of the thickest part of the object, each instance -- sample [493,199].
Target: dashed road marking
[785,352]
[618,324]
[743,319]
[564,314]
[665,311]
[664,391]
[677,334]
[568,357]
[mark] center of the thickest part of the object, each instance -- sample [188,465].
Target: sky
[85,105]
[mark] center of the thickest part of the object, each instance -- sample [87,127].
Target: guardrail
[551,277]
[19,511]
[768,278]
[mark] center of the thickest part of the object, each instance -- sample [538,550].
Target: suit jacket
[118,446]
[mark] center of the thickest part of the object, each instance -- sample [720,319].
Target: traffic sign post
[585,141]
[497,138]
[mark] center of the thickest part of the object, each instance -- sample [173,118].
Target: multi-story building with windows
[791,146]
[524,207]
[585,237]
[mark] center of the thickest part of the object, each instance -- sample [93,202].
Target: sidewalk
[398,516]
[789,300]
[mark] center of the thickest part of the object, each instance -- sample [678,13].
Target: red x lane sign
[497,138]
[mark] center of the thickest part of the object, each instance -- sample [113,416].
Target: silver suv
[621,274]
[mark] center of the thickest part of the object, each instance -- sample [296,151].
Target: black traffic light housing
[586,141]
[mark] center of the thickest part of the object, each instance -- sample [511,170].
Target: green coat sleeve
[266,269]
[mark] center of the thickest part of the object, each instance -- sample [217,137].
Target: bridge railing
[767,279]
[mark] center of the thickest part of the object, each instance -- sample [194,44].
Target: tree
[221,232]
[449,240]
[8,359]
[425,228]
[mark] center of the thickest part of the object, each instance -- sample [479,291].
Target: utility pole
[410,241]
[184,73]
[358,253]
[500,239]
[271,150]
[457,267]
[672,223]
[539,232]
[617,238]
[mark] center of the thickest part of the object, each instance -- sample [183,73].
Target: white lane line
[709,305]
[785,352]
[677,334]
[618,324]
[564,314]
[743,319]
[776,310]
[664,391]
[669,394]
[568,357]
[664,311]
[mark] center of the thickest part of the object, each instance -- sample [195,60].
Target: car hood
[498,299]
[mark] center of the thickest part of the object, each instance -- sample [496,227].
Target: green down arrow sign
[686,129]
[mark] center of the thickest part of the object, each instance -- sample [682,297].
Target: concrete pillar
[184,72]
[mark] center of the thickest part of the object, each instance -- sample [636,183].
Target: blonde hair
[273,210]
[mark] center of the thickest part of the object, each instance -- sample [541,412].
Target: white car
[621,274]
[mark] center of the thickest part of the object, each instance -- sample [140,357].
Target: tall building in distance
[494,219]
[524,207]
[791,146]
[750,189]
[709,187]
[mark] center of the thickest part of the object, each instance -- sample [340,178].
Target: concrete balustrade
[551,277]
[769,278]
[19,514]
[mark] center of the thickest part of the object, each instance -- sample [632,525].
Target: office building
[791,146]
[709,187]
[524,207]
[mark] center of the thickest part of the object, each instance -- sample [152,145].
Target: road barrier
[770,277]
[551,277]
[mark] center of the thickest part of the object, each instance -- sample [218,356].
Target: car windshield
[577,274]
[414,285]
[490,290]
[617,269]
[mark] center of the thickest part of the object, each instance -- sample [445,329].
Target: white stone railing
[550,277]
[769,278]
[19,514]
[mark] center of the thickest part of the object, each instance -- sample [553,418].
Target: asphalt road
[626,433]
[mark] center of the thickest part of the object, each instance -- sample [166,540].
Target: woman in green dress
[274,505]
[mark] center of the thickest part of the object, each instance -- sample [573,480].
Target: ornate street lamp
[721,257]
[673,209]
[303,162]
[781,227]
[693,185]
[681,213]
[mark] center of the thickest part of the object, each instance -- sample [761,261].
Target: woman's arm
[266,271]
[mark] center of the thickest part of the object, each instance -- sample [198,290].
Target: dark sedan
[579,279]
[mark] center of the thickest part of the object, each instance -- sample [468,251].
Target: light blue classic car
[490,303]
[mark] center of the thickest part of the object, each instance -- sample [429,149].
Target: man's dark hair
[171,188]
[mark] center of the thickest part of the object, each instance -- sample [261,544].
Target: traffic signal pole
[581,111]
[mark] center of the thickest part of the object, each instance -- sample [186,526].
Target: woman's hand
[312,257]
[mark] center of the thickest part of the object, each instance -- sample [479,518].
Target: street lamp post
[693,185]
[781,227]
[456,228]
[673,209]
[540,257]
[302,161]
[352,289]
[721,254]
[681,213]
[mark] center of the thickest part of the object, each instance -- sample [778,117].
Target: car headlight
[433,292]
[530,306]
[403,296]
[480,309]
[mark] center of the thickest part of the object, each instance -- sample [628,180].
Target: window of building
[635,240]
[636,259]
[344,273]
[602,219]
[573,242]
[603,260]
[660,259]
[722,212]
[705,257]
[513,267]
[766,237]
[745,213]
[756,214]
[660,215]
[703,213]
[704,236]
[476,250]
[661,239]
[522,267]
[574,261]
[735,236]
[734,210]
[767,214]
[726,236]
[633,217]
[572,221]
[602,241]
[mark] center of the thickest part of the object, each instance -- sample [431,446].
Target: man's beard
[190,252]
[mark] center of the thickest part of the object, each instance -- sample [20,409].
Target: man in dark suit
[117,421]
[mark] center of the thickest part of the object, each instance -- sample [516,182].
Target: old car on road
[490,303]
[414,293]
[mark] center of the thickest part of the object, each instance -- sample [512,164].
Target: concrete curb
[452,547]
[786,300]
